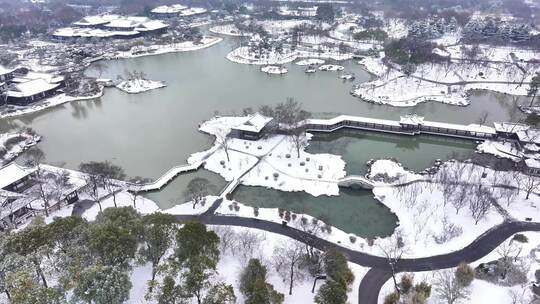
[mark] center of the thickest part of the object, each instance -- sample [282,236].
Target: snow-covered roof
[411,119]
[92,21]
[193,11]
[529,135]
[123,23]
[151,26]
[31,88]
[532,163]
[509,127]
[13,206]
[532,147]
[4,70]
[12,173]
[169,9]
[31,75]
[78,32]
[255,123]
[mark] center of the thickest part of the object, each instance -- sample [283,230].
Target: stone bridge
[356,181]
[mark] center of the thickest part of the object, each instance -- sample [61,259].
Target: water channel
[148,133]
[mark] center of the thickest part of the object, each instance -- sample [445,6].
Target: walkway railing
[165,178]
[359,180]
[392,126]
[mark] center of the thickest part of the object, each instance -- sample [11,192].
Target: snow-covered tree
[103,285]
[158,231]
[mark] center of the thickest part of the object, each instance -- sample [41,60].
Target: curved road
[372,282]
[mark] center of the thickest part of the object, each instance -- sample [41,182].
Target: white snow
[11,111]
[134,86]
[310,61]
[229,30]
[279,166]
[185,46]
[274,69]
[24,139]
[331,67]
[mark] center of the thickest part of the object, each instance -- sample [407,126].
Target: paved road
[371,284]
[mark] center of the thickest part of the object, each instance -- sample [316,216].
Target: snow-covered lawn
[280,167]
[310,61]
[274,69]
[444,82]
[123,199]
[135,86]
[481,291]
[331,67]
[185,46]
[244,56]
[228,29]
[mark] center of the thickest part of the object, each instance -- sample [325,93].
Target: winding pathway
[372,282]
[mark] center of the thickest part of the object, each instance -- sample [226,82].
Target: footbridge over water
[407,125]
[356,181]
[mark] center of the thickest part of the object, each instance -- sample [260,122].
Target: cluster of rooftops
[111,26]
[177,10]
[18,199]
[117,26]
[20,88]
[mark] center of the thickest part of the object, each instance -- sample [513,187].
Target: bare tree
[248,244]
[100,67]
[531,183]
[290,117]
[137,185]
[287,261]
[102,175]
[113,176]
[480,203]
[460,197]
[224,142]
[393,249]
[447,288]
[197,190]
[227,238]
[483,118]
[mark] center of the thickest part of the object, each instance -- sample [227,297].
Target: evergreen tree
[220,293]
[33,243]
[195,258]
[158,231]
[103,285]
[25,289]
[331,292]
[169,292]
[533,88]
[114,235]
[325,12]
[254,286]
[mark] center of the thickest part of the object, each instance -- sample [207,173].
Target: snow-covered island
[274,69]
[134,86]
[13,144]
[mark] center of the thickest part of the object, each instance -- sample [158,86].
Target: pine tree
[103,285]
[254,286]
[331,292]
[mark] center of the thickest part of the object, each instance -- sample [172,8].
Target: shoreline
[50,103]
